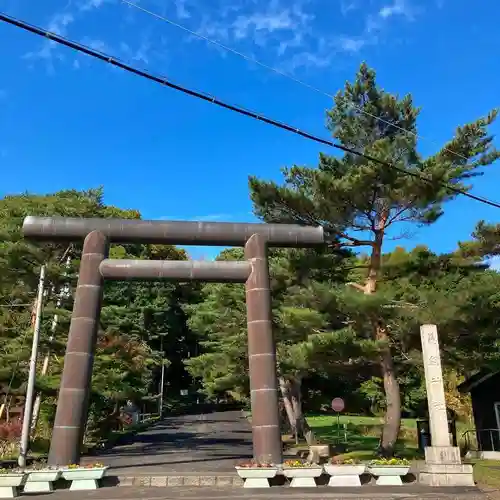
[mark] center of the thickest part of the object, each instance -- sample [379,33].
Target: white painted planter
[84,479]
[257,477]
[302,477]
[40,481]
[10,483]
[389,475]
[345,475]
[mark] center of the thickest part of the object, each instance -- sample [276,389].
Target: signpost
[338,405]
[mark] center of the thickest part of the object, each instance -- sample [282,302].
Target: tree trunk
[303,429]
[292,401]
[392,419]
[287,403]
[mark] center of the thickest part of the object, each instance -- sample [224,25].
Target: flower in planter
[297,464]
[41,465]
[345,471]
[381,462]
[254,464]
[256,474]
[11,471]
[97,465]
[302,473]
[343,461]
[389,470]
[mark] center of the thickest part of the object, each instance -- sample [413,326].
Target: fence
[479,440]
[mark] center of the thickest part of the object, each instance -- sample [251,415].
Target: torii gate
[72,404]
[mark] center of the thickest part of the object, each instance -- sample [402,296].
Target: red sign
[338,404]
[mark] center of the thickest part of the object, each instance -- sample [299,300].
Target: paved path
[366,493]
[193,443]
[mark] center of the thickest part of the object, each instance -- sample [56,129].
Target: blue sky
[71,122]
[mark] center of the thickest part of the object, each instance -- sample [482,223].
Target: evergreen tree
[134,315]
[361,203]
[304,323]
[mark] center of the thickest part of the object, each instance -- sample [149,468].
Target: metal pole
[30,391]
[338,427]
[162,378]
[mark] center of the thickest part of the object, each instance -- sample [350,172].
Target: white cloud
[182,9]
[93,4]
[397,8]
[347,6]
[289,31]
[96,44]
[59,25]
[375,25]
[494,263]
[281,33]
[352,44]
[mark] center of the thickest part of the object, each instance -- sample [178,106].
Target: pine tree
[361,202]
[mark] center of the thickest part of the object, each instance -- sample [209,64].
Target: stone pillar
[266,433]
[434,386]
[443,463]
[72,404]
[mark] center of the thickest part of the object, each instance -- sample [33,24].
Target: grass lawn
[363,435]
[487,472]
[360,435]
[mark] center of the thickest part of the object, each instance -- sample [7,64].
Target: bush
[10,433]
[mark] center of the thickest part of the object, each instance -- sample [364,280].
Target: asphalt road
[324,493]
[193,443]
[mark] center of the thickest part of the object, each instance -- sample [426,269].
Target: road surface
[213,442]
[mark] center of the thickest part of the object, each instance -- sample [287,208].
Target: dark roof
[475,380]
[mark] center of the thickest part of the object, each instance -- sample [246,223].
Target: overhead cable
[279,72]
[237,109]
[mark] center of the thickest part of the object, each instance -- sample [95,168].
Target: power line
[279,72]
[237,109]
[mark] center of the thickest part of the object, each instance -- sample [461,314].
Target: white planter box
[84,479]
[40,481]
[302,477]
[10,483]
[256,477]
[345,475]
[389,475]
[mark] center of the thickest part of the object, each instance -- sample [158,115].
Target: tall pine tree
[362,202]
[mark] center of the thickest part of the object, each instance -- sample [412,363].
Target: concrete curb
[226,481]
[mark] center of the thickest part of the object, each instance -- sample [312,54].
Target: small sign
[184,392]
[338,404]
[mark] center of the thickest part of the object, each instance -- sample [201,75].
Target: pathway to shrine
[213,442]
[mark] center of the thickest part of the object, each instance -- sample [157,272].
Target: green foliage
[351,194]
[142,325]
[486,241]
[304,315]
[360,202]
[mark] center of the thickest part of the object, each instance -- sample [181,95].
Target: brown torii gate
[72,405]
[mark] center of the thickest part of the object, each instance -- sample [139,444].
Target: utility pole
[28,404]
[162,378]
[63,293]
